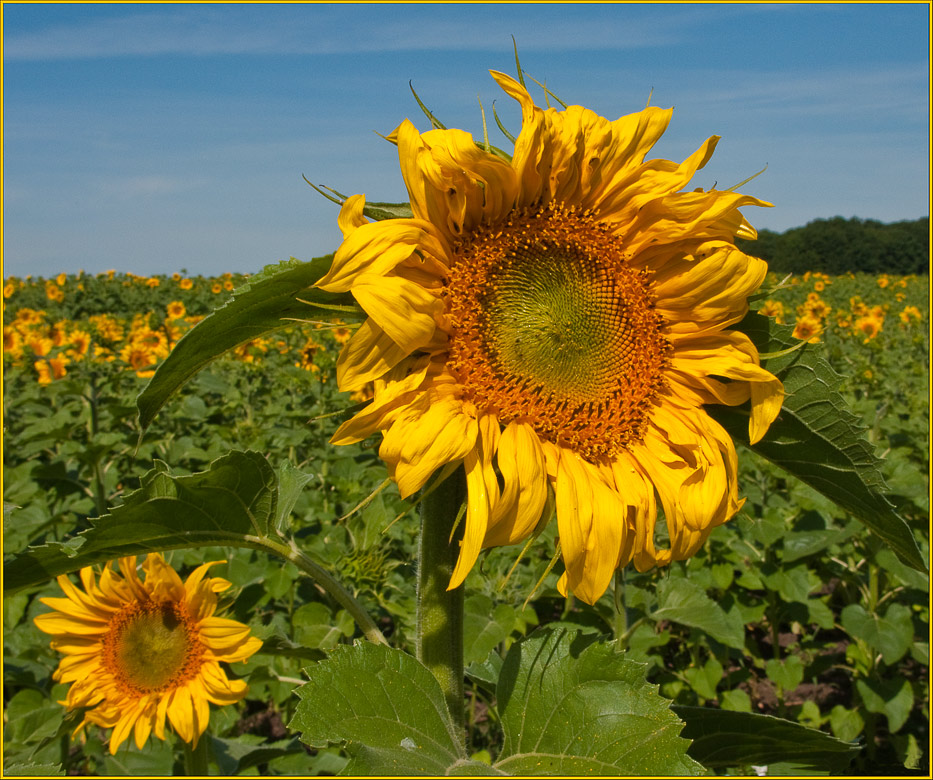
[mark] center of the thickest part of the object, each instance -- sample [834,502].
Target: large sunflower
[138,651]
[556,322]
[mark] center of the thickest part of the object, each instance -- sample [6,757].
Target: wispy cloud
[347,29]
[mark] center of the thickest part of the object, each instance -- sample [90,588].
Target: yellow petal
[451,181]
[592,523]
[707,290]
[523,466]
[428,435]
[477,517]
[368,355]
[402,309]
[351,214]
[378,247]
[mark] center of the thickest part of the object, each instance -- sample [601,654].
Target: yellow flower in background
[61,279]
[107,327]
[228,285]
[808,328]
[175,310]
[51,369]
[139,651]
[560,320]
[12,342]
[216,288]
[53,292]
[80,343]
[883,281]
[869,326]
[186,284]
[152,281]
[774,309]
[910,314]
[8,289]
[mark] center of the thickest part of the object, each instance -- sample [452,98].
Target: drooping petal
[396,388]
[351,214]
[522,463]
[453,183]
[592,522]
[368,354]
[708,290]
[403,310]
[427,435]
[378,247]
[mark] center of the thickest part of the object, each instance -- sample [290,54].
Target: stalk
[440,611]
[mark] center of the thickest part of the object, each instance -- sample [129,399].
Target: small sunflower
[139,651]
[556,321]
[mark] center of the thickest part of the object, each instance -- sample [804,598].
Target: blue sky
[158,137]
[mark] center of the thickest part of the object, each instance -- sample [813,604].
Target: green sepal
[273,299]
[817,439]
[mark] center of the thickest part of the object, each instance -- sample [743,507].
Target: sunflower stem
[440,611]
[196,757]
[332,586]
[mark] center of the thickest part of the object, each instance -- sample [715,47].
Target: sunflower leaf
[571,705]
[818,440]
[394,724]
[271,300]
[739,739]
[232,504]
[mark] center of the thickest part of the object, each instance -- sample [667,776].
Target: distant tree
[838,245]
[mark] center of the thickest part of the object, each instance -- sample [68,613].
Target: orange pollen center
[552,327]
[152,646]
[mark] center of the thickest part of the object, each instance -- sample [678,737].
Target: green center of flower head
[152,646]
[553,327]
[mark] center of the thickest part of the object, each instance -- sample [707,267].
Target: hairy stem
[440,611]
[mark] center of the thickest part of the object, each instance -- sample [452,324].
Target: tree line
[839,245]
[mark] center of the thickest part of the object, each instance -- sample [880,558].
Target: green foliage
[839,245]
[790,616]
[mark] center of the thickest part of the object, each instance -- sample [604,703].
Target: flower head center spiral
[551,326]
[152,646]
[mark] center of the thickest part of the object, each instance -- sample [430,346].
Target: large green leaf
[387,709]
[740,739]
[683,601]
[817,439]
[570,705]
[233,503]
[273,299]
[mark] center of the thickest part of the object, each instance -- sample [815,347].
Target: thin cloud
[329,30]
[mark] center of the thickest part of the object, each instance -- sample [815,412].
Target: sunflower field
[790,610]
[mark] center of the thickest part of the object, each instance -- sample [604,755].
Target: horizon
[153,137]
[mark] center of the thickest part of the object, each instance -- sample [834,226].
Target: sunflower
[138,651]
[555,321]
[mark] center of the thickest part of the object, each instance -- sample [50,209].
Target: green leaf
[484,627]
[291,482]
[818,440]
[890,635]
[685,602]
[387,709]
[570,705]
[235,755]
[33,770]
[271,300]
[893,698]
[788,672]
[704,679]
[233,503]
[737,739]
